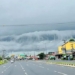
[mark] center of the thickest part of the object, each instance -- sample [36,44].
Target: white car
[12,61]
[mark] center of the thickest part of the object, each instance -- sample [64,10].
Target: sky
[27,24]
[14,12]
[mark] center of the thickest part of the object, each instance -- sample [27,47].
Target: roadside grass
[3,61]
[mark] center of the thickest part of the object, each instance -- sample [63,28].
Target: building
[60,51]
[68,48]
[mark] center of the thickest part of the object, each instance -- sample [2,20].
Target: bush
[41,55]
[0,58]
[61,58]
[8,58]
[73,58]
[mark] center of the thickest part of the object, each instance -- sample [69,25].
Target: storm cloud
[38,40]
[36,24]
[14,12]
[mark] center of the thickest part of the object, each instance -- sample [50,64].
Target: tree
[0,58]
[41,55]
[8,58]
[71,40]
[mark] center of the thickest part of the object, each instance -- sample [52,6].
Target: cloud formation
[43,20]
[38,41]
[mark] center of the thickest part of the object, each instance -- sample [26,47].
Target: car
[52,57]
[12,61]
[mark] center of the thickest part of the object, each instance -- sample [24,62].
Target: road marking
[60,73]
[23,69]
[6,68]
[26,74]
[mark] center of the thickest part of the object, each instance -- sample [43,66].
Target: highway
[35,68]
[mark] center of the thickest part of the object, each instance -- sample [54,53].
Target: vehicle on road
[52,57]
[12,61]
[67,57]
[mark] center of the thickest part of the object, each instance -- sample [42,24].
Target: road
[35,68]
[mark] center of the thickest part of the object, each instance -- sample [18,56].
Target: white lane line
[23,69]
[60,73]
[26,73]
[6,68]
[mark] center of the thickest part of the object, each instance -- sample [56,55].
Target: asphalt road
[35,68]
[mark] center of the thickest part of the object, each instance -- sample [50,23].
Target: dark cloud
[36,11]
[20,29]
[39,40]
[36,20]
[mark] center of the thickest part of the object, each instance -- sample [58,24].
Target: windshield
[37,37]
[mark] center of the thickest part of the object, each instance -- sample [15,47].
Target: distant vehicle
[52,57]
[67,57]
[12,61]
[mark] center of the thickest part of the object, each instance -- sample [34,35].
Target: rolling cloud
[38,40]
[36,24]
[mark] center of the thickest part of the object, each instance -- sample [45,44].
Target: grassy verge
[3,62]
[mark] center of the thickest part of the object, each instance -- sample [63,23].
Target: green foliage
[8,58]
[0,58]
[41,55]
[3,61]
[71,40]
